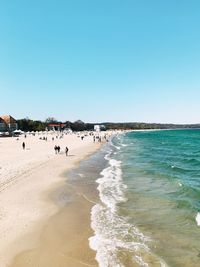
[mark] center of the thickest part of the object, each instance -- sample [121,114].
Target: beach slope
[32,225]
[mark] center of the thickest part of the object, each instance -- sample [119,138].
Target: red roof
[54,124]
[8,119]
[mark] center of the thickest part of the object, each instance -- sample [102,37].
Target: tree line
[27,124]
[30,125]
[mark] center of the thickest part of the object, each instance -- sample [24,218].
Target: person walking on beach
[66,151]
[56,149]
[23,145]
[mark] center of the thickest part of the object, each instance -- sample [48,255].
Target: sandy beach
[34,229]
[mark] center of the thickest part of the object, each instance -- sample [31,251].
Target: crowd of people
[57,149]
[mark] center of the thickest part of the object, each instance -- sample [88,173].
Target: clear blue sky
[101,60]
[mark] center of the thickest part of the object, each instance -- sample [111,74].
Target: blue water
[149,199]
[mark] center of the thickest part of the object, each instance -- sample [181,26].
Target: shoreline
[29,207]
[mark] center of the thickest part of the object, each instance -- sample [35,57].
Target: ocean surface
[146,192]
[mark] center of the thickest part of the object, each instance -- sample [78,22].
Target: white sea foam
[115,146]
[111,187]
[140,261]
[107,156]
[198,218]
[113,233]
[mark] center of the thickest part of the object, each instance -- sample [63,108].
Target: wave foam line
[112,232]
[112,235]
[198,219]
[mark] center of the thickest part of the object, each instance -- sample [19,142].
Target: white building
[99,128]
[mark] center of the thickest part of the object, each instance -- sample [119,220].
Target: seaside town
[9,127]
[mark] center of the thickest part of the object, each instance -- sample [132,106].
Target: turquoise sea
[147,210]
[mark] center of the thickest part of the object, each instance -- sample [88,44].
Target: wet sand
[64,239]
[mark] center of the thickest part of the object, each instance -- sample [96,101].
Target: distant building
[99,128]
[3,126]
[57,126]
[7,124]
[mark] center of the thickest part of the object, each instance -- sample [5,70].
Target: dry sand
[32,226]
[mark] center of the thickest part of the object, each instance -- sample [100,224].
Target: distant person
[66,151]
[23,145]
[94,139]
[56,149]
